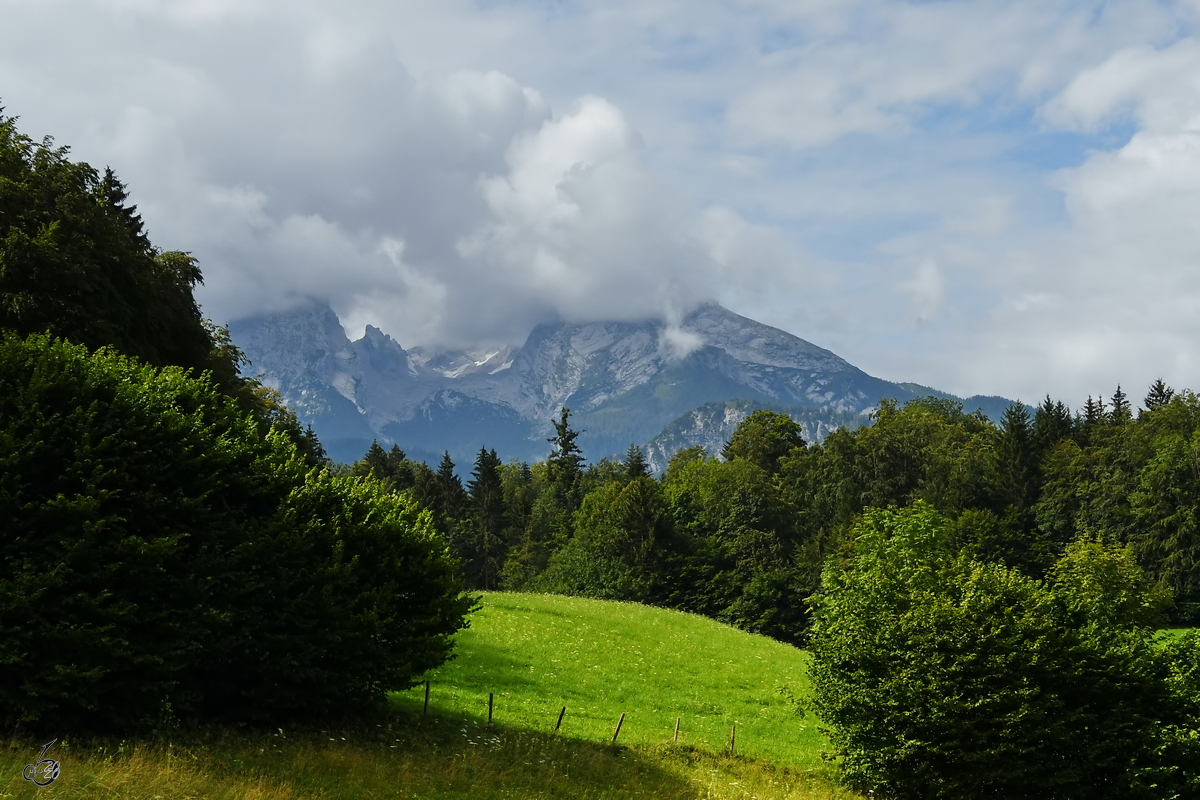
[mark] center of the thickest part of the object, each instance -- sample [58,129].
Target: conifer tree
[1120,413]
[1051,424]
[1093,415]
[566,459]
[487,505]
[635,463]
[520,493]
[451,498]
[375,462]
[391,467]
[1159,395]
[1015,464]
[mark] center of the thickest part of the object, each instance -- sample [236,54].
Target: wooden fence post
[677,729]
[491,696]
[618,730]
[425,713]
[558,724]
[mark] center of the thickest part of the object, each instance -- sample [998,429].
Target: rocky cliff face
[625,382]
[711,425]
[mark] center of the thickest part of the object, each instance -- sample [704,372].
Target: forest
[741,536]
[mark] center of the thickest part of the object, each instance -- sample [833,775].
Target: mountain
[650,383]
[712,424]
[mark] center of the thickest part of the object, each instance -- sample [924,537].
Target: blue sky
[986,197]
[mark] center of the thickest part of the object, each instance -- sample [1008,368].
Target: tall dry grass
[424,759]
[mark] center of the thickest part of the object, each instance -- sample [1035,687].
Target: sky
[984,197]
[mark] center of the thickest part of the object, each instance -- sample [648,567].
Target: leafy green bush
[346,593]
[944,677]
[161,553]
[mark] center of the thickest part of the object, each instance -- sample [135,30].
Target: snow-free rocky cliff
[663,387]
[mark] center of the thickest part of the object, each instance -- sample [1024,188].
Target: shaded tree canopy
[75,261]
[165,553]
[764,438]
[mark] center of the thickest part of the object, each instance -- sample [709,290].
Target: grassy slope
[537,654]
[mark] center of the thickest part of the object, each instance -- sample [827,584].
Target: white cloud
[1024,169]
[579,226]
[1157,86]
[875,67]
[678,343]
[756,263]
[928,289]
[1111,294]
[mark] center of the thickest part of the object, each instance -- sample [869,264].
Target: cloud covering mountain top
[990,196]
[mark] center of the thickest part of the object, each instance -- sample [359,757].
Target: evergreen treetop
[1159,395]
[635,463]
[566,459]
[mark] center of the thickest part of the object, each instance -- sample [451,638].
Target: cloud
[1156,86]
[928,289]
[876,67]
[446,207]
[577,225]
[1119,283]
[1109,293]
[454,172]
[678,343]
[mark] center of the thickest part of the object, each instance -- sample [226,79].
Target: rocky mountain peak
[382,353]
[753,342]
[625,382]
[284,346]
[454,364]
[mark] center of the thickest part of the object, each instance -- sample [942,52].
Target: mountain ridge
[625,382]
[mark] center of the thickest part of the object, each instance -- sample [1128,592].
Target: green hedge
[944,677]
[161,556]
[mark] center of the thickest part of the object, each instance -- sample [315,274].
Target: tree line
[743,537]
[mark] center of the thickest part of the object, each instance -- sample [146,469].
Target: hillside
[600,659]
[536,653]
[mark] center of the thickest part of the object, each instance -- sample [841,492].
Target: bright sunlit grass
[1176,632]
[600,659]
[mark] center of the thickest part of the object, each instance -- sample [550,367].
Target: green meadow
[600,659]
[535,654]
